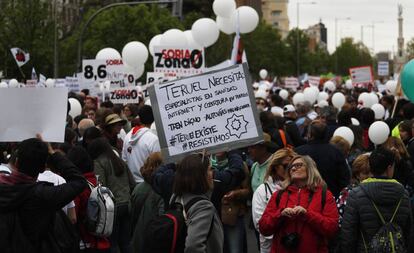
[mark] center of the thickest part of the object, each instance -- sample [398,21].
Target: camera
[290,241]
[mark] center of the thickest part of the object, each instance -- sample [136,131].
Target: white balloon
[355,122]
[190,40]
[323,103]
[263,74]
[365,100]
[13,83]
[134,54]
[391,86]
[155,41]
[107,54]
[323,96]
[4,85]
[329,85]
[311,94]
[224,8]
[136,72]
[205,32]
[174,37]
[75,107]
[298,98]
[379,111]
[346,133]
[248,19]
[50,83]
[378,132]
[348,84]
[338,100]
[283,93]
[226,25]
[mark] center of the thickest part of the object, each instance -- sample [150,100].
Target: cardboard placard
[361,76]
[291,82]
[215,111]
[126,95]
[314,80]
[33,110]
[383,68]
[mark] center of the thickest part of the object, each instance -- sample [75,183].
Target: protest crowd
[318,181]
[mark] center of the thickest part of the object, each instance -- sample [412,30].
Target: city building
[275,13]
[318,36]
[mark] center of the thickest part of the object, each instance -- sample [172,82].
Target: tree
[410,49]
[26,24]
[292,45]
[350,54]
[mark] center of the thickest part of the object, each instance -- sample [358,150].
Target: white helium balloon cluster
[367,100]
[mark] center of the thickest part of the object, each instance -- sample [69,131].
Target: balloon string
[398,92]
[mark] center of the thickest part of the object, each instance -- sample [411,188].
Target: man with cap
[261,154]
[292,129]
[140,142]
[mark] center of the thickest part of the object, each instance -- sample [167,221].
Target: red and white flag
[238,55]
[20,56]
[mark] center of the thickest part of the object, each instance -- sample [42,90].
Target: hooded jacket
[360,215]
[36,203]
[139,143]
[315,228]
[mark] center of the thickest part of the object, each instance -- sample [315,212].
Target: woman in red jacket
[303,215]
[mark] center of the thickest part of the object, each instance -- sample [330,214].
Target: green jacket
[119,186]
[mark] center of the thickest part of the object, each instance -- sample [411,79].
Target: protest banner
[361,76]
[179,62]
[126,95]
[215,111]
[314,80]
[60,82]
[291,83]
[383,68]
[72,83]
[46,116]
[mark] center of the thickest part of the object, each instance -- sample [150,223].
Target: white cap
[289,108]
[261,93]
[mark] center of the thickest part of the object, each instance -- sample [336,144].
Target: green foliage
[410,49]
[350,54]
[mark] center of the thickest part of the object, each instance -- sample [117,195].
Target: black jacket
[330,162]
[404,173]
[294,134]
[360,215]
[163,179]
[36,204]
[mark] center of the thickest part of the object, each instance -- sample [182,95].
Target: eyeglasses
[260,103]
[296,166]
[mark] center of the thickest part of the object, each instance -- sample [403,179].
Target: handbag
[230,211]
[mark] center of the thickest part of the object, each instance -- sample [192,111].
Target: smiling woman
[302,216]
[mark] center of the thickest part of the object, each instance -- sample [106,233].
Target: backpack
[323,199]
[389,237]
[167,233]
[100,211]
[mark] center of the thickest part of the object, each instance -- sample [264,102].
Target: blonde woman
[275,174]
[302,216]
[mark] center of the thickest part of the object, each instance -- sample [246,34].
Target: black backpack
[167,233]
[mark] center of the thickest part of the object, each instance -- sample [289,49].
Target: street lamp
[373,33]
[336,40]
[110,6]
[297,36]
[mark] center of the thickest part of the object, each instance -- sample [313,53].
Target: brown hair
[192,175]
[397,146]
[277,160]
[359,166]
[343,145]
[150,166]
[314,177]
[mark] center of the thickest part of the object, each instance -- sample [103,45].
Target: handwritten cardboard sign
[215,111]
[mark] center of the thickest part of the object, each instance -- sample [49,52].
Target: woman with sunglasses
[275,174]
[302,216]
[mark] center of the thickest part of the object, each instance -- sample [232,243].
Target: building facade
[275,13]
[318,37]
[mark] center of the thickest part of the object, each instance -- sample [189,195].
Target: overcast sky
[361,12]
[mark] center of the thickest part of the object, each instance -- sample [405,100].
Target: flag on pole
[238,55]
[34,75]
[20,56]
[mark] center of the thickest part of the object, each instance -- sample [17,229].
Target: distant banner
[72,83]
[213,112]
[127,95]
[179,62]
[383,68]
[291,82]
[361,76]
[314,80]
